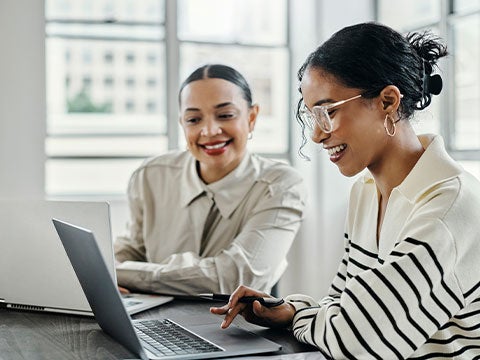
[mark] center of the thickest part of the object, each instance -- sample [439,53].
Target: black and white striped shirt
[416,295]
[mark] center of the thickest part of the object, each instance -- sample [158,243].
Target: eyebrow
[324,101]
[218,106]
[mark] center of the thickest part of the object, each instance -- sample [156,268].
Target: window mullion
[447,113]
[172,53]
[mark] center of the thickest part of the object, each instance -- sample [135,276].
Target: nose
[318,135]
[211,128]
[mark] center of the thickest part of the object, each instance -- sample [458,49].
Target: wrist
[288,312]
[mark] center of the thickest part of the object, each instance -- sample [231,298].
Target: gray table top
[33,335]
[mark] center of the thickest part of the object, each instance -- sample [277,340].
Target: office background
[88,89]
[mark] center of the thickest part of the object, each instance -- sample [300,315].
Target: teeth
[216,146]
[336,149]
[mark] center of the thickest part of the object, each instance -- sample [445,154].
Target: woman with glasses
[408,285]
[215,216]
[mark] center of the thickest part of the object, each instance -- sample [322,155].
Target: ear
[252,116]
[390,97]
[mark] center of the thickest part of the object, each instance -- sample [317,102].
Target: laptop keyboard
[164,337]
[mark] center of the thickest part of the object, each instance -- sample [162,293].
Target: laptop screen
[36,273]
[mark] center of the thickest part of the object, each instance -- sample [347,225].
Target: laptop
[35,273]
[150,339]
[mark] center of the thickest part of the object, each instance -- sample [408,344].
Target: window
[108,81]
[111,88]
[151,106]
[455,114]
[96,132]
[253,39]
[152,59]
[151,82]
[130,57]
[108,57]
[130,82]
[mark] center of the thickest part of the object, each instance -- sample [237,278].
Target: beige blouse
[260,207]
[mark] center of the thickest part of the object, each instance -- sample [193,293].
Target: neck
[211,173]
[403,152]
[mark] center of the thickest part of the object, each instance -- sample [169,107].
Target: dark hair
[219,71]
[371,56]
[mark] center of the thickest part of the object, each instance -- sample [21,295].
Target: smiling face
[358,138]
[216,120]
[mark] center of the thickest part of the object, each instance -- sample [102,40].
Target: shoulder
[275,171]
[165,172]
[461,196]
[447,210]
[170,162]
[171,165]
[174,159]
[451,199]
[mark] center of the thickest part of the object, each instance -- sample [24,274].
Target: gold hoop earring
[391,133]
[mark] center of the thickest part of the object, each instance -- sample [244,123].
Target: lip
[215,148]
[338,153]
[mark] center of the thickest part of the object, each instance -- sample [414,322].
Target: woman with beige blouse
[215,216]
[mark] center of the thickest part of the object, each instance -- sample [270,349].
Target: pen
[265,301]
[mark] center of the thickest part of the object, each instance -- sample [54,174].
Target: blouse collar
[228,192]
[433,167]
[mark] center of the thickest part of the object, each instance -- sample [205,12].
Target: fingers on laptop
[235,307]
[123,290]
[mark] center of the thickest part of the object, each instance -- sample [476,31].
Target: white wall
[317,251]
[22,98]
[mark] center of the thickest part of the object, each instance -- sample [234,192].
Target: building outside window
[114,67]
[455,114]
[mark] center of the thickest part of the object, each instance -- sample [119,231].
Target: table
[33,335]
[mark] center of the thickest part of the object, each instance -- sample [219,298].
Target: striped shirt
[417,294]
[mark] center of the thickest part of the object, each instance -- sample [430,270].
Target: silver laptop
[197,338]
[35,273]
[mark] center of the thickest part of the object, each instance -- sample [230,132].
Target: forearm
[187,273]
[126,249]
[180,274]
[372,316]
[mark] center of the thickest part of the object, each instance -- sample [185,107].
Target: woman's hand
[123,291]
[278,316]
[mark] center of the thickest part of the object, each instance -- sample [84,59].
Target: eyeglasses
[320,115]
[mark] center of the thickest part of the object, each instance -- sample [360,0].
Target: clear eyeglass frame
[320,116]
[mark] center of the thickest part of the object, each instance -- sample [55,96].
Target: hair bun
[434,84]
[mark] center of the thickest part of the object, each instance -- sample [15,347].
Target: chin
[349,172]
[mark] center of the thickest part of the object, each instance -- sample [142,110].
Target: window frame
[447,115]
